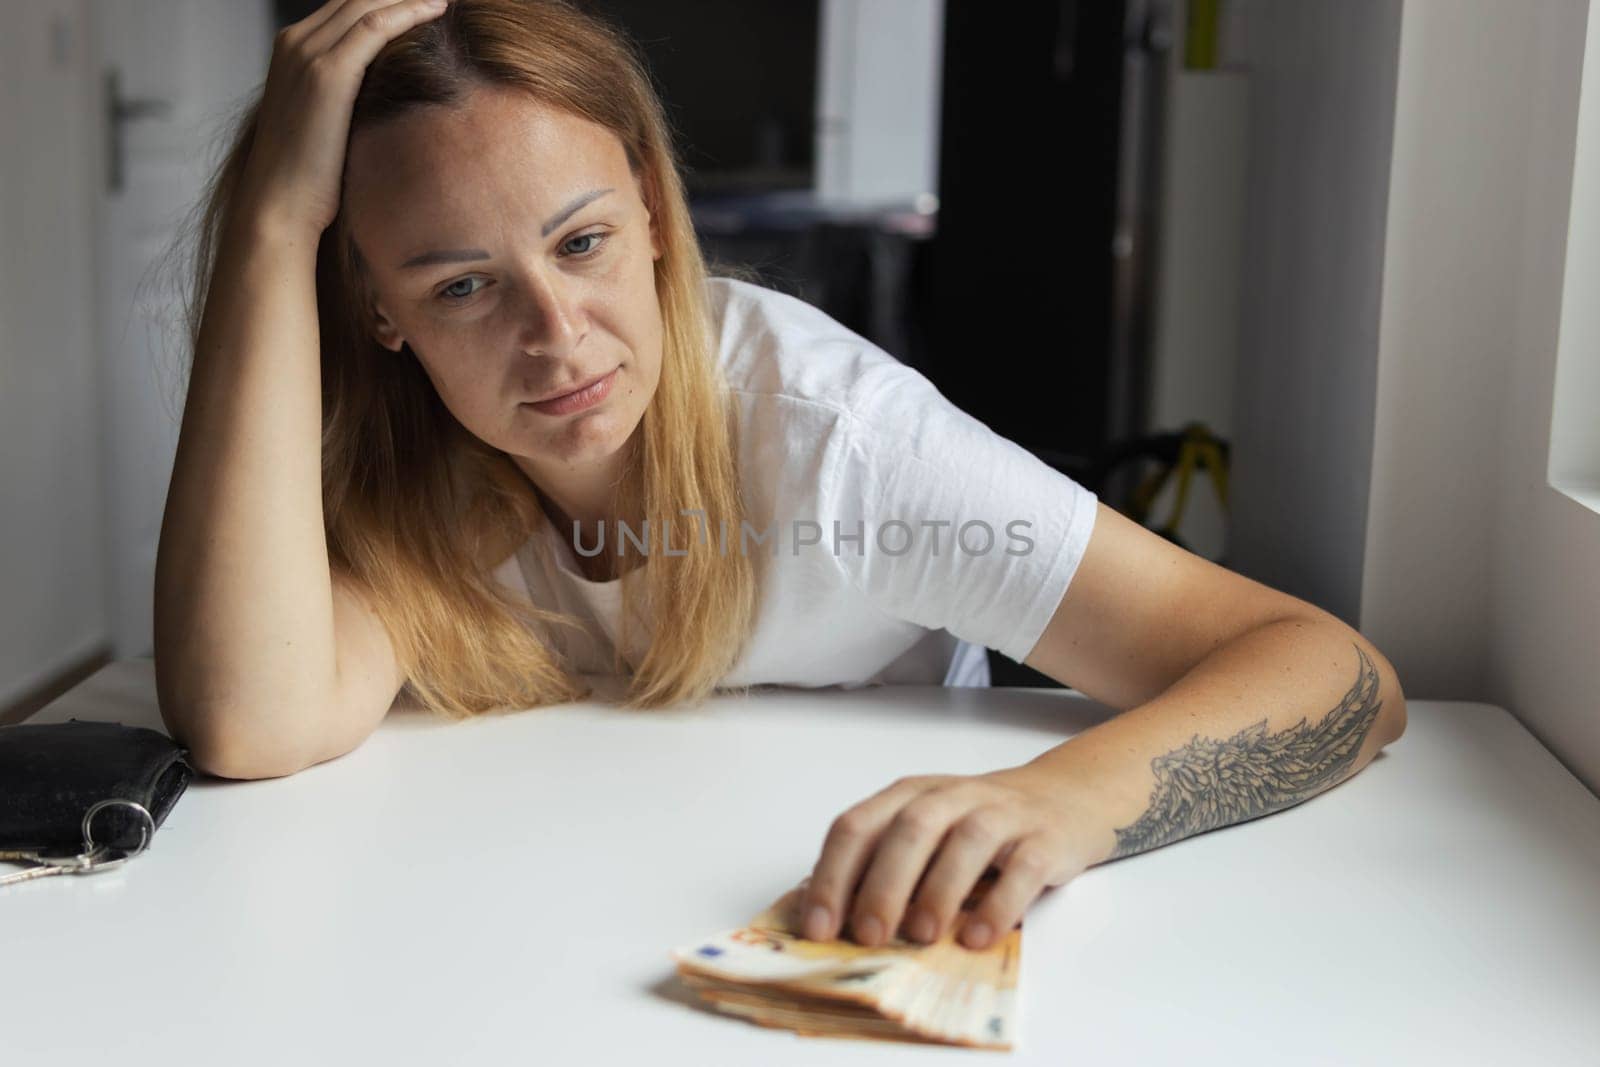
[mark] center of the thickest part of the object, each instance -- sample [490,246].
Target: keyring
[147,829]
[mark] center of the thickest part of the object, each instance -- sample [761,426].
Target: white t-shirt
[836,436]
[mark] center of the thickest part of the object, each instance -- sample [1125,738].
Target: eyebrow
[463,255]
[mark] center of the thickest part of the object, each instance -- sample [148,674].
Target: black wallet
[66,785]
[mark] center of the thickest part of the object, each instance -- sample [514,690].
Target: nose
[551,321]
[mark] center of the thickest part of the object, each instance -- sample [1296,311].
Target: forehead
[499,156]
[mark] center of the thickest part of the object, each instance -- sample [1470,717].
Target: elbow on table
[1391,724]
[222,752]
[245,767]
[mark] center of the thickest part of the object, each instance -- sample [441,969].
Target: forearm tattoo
[1207,784]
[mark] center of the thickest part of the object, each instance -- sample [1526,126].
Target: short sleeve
[959,528]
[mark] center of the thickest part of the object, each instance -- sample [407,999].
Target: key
[99,858]
[39,870]
[45,866]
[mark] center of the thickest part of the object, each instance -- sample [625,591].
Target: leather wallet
[51,774]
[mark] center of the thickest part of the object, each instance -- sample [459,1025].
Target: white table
[506,890]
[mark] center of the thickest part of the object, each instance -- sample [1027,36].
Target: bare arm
[1241,701]
[266,660]
[243,600]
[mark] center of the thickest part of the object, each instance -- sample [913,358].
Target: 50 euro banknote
[941,992]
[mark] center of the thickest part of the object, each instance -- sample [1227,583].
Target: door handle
[121,110]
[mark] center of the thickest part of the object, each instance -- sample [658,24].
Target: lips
[576,399]
[568,391]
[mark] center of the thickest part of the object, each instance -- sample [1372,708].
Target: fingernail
[817,923]
[921,927]
[869,931]
[975,935]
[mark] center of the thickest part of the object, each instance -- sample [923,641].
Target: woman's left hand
[954,827]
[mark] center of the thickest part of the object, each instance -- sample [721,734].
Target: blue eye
[448,296]
[599,238]
[451,295]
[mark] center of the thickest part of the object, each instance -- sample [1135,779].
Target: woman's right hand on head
[296,161]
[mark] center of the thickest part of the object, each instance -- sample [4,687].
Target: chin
[589,438]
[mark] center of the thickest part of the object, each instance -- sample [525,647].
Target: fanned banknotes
[941,993]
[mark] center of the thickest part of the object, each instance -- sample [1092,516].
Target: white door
[171,72]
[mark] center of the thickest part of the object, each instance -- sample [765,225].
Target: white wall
[1545,626]
[1575,435]
[51,571]
[1482,580]
[85,434]
[199,57]
[1195,346]
[878,85]
[1450,292]
[1424,243]
[1322,104]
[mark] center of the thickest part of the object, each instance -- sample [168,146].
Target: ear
[384,330]
[650,193]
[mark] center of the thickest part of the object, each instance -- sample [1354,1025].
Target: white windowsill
[1587,495]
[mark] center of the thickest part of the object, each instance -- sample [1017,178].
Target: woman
[447,274]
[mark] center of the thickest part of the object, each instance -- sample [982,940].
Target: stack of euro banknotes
[938,993]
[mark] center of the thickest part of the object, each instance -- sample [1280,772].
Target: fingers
[929,840]
[1023,876]
[358,30]
[977,840]
[902,856]
[845,852]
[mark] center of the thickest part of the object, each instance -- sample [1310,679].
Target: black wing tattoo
[1208,783]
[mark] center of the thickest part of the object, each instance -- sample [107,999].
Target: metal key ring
[147,830]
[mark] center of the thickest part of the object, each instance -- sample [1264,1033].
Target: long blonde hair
[418,508]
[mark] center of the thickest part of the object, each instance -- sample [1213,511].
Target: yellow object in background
[1200,35]
[1198,448]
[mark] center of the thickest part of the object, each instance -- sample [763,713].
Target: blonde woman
[466,417]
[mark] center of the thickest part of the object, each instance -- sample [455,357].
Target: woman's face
[509,244]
